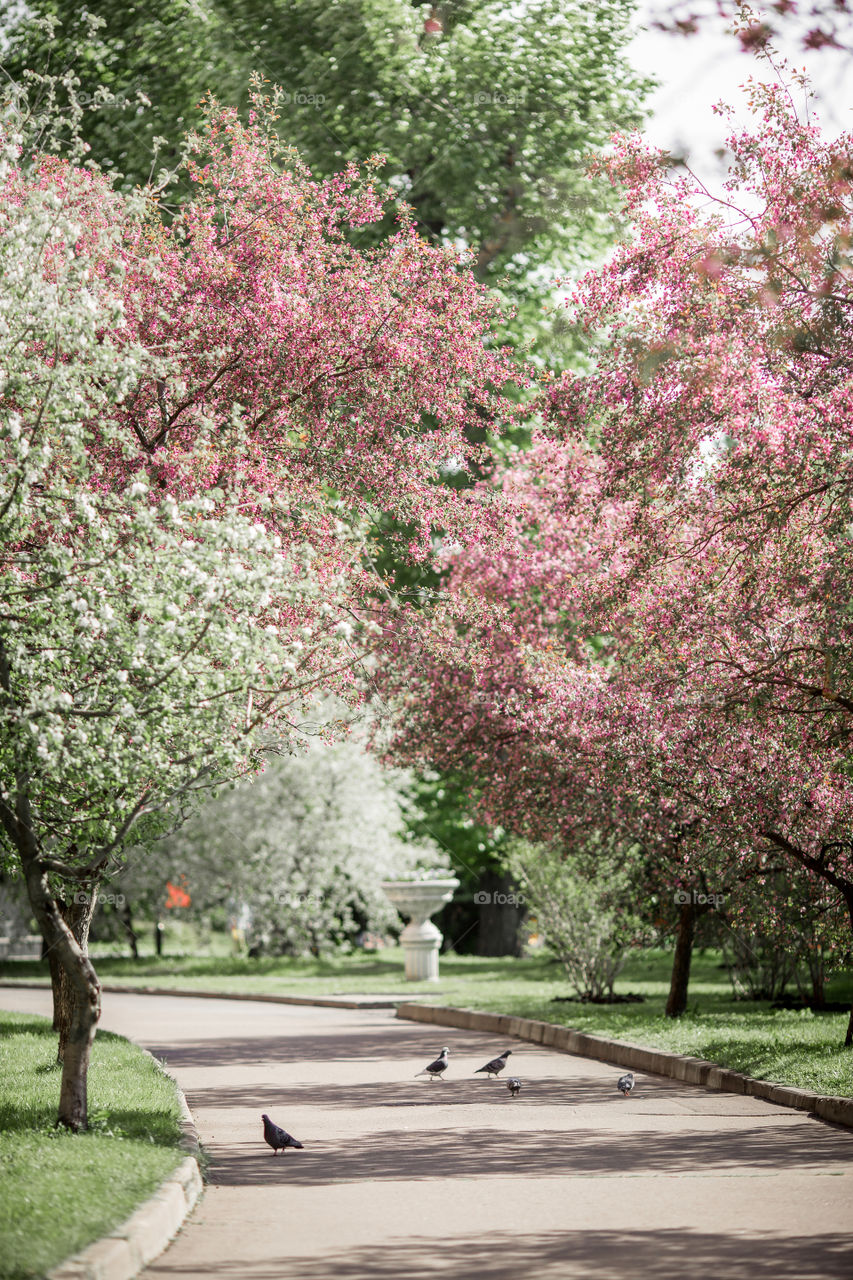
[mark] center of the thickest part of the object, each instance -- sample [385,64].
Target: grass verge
[791,1047]
[60,1191]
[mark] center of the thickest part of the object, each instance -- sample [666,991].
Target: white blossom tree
[303,847]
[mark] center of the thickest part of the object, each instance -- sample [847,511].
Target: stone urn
[420,899]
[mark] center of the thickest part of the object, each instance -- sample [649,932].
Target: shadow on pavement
[575,1255]
[338,1045]
[460,1091]
[408,1155]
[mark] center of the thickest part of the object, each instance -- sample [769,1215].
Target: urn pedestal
[420,940]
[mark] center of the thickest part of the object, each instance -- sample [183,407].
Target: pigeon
[435,1069]
[514,1085]
[497,1064]
[279,1139]
[625,1083]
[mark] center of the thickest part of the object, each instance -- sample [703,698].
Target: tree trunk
[500,917]
[848,898]
[77,914]
[80,1002]
[84,1001]
[55,977]
[16,816]
[677,1000]
[127,920]
[73,1095]
[69,955]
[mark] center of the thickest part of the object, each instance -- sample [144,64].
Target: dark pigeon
[514,1085]
[279,1139]
[435,1069]
[625,1083]
[496,1065]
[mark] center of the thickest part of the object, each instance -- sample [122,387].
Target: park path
[410,1179]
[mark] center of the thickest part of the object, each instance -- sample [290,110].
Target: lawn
[793,1047]
[59,1191]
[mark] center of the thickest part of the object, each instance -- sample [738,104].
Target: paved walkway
[410,1179]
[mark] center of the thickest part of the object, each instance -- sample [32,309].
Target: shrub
[585,909]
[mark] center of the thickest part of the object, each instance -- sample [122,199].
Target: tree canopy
[485,125]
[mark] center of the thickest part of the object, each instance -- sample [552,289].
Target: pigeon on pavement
[514,1085]
[435,1069]
[279,1139]
[625,1083]
[496,1065]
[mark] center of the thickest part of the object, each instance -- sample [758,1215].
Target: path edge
[322,1002]
[661,1062]
[125,1251]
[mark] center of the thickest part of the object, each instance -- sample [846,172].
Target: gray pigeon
[514,1085]
[435,1069]
[279,1139]
[625,1083]
[496,1065]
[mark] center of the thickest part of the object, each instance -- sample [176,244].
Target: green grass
[800,1049]
[59,1191]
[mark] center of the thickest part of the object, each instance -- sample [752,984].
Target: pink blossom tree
[721,408]
[668,642]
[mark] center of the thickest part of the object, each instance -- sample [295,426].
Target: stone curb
[659,1062]
[189,1133]
[124,1252]
[323,1002]
[145,1234]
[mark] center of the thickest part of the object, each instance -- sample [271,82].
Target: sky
[697,71]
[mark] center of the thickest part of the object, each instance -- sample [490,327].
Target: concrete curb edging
[124,1252]
[143,1236]
[189,1133]
[661,1062]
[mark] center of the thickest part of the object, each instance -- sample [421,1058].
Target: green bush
[588,920]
